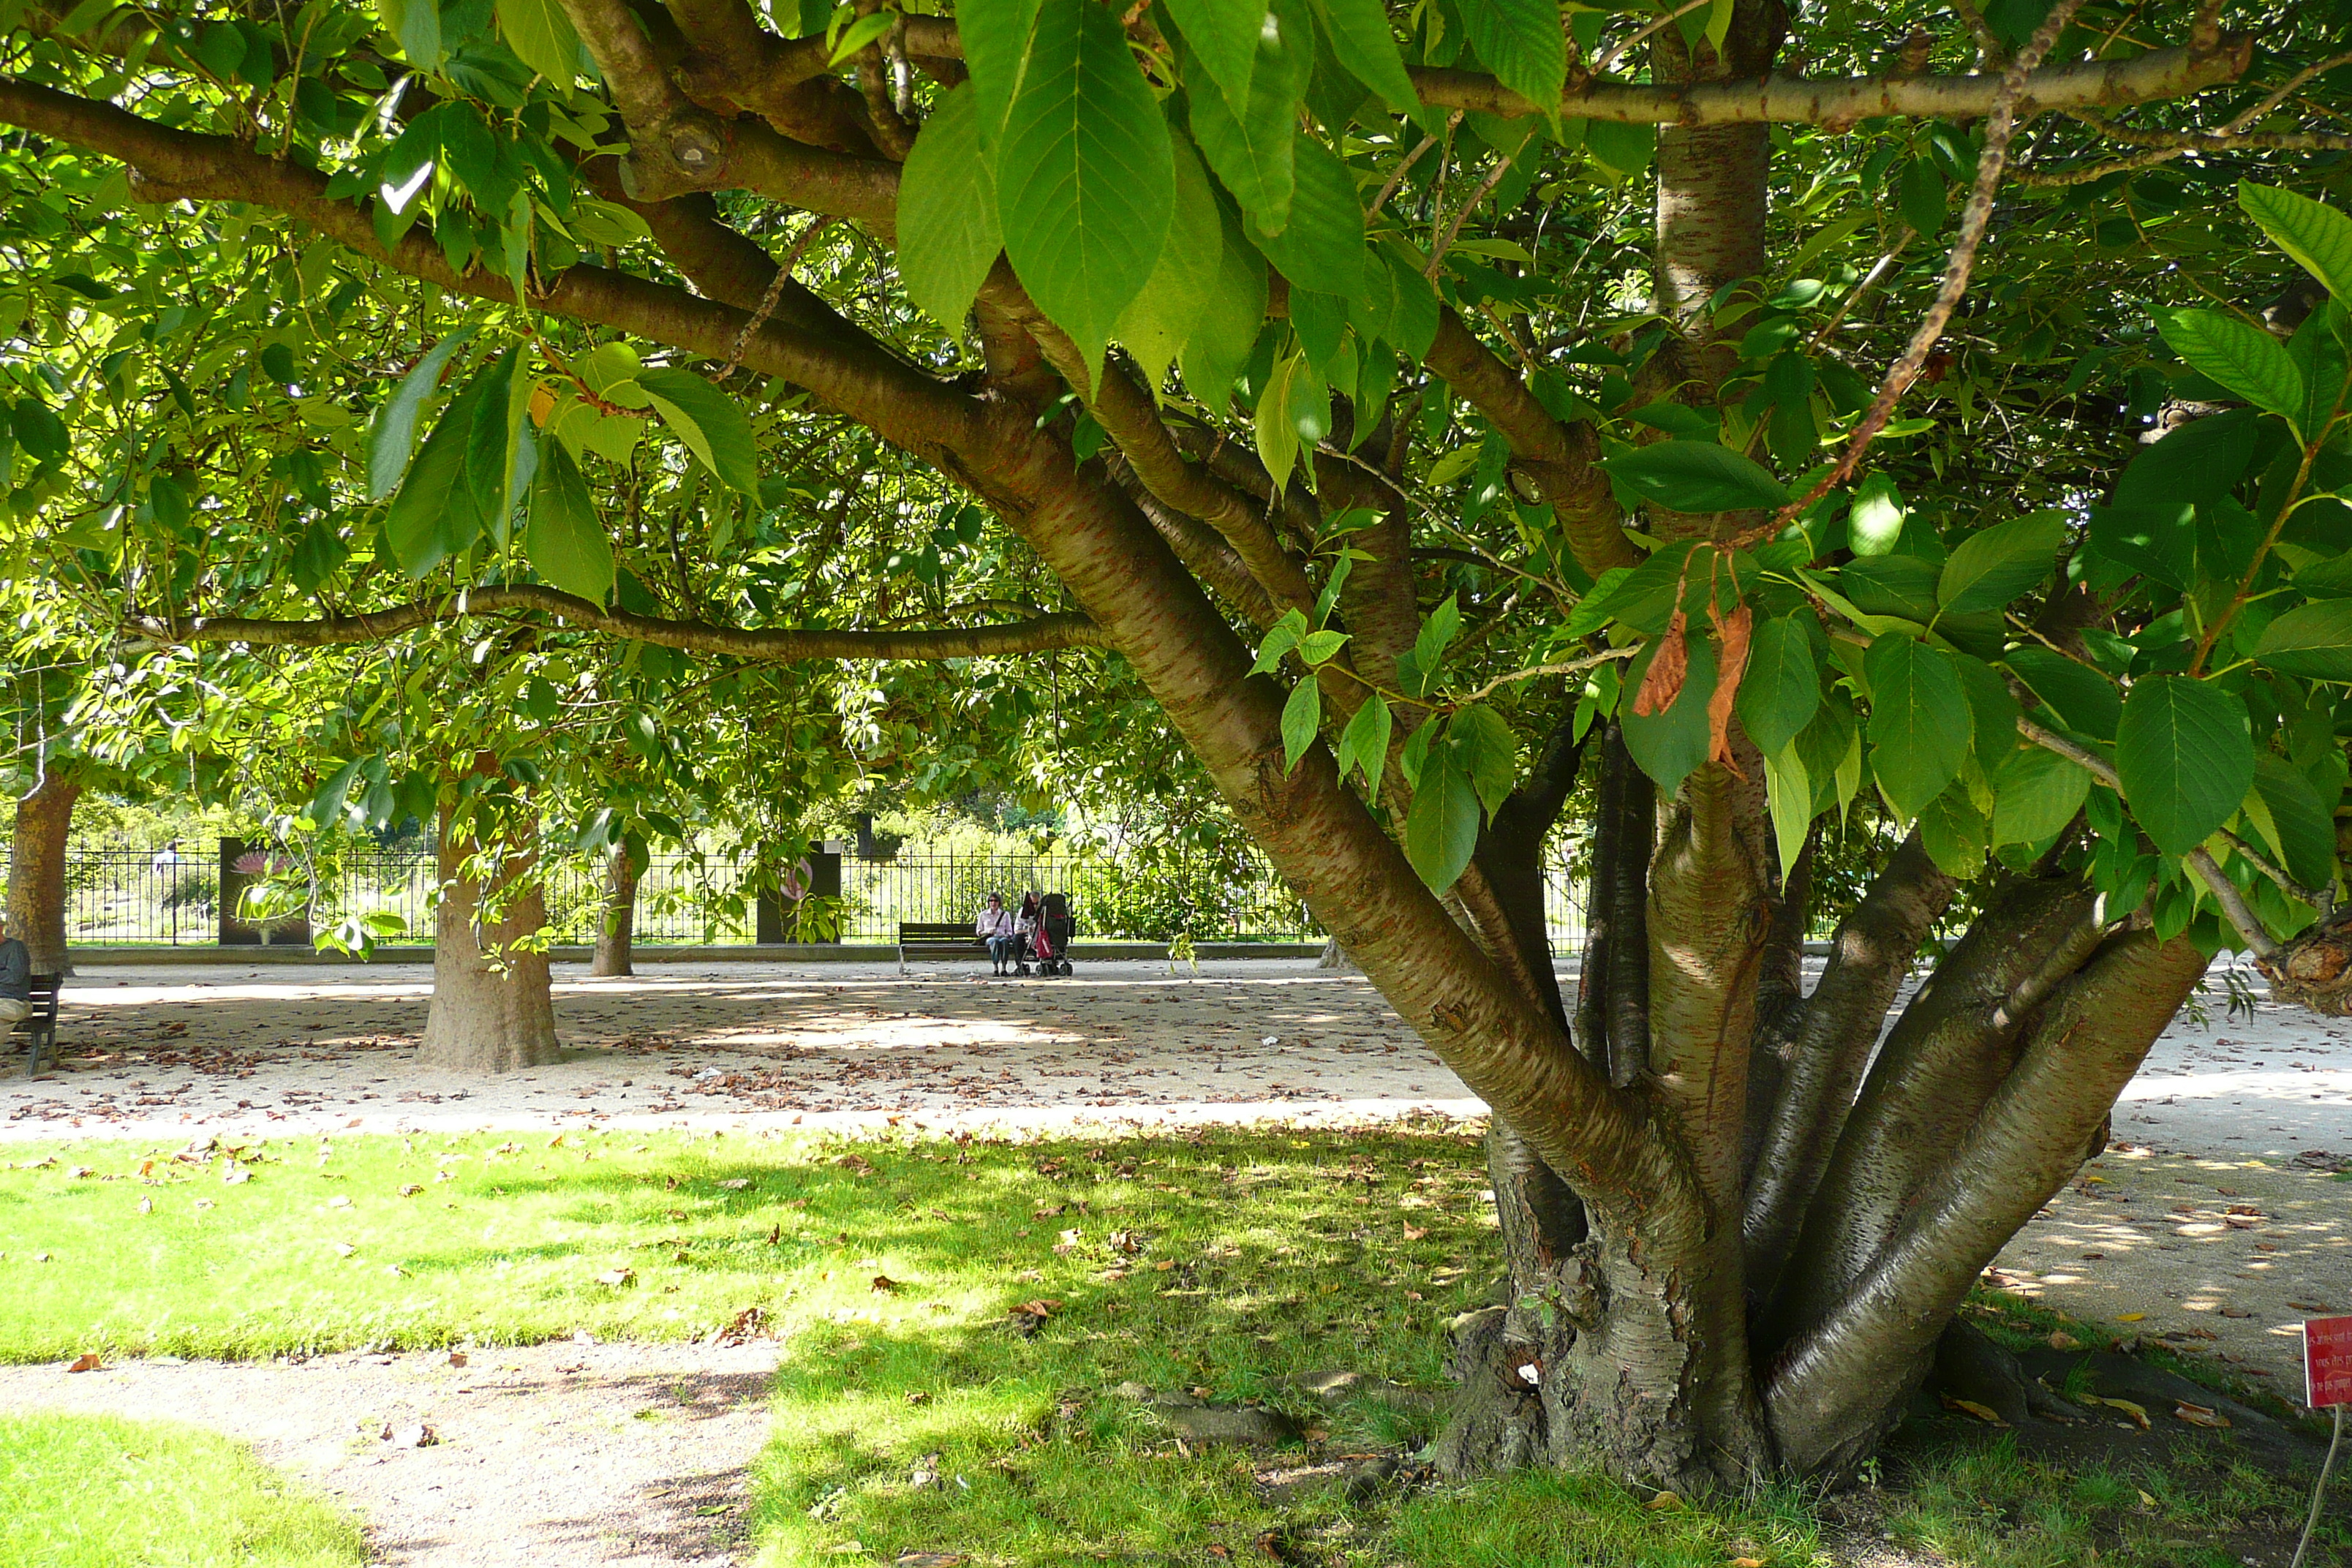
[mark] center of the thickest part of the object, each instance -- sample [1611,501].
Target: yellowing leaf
[1984,1412]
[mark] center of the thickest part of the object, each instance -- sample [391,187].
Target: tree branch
[770,645]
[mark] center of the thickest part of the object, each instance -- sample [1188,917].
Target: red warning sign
[2327,1361]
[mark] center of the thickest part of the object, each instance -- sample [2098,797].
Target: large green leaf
[948,233]
[1919,724]
[1226,332]
[1522,44]
[712,424]
[1788,793]
[1253,148]
[995,34]
[2305,826]
[2158,542]
[2318,237]
[2035,792]
[435,515]
[565,540]
[392,437]
[1322,247]
[1782,685]
[1365,44]
[1223,35]
[1954,833]
[2314,639]
[1086,181]
[1697,475]
[1994,566]
[1668,745]
[2199,462]
[1183,286]
[2184,752]
[541,36]
[1301,715]
[1441,831]
[417,25]
[2244,359]
[2079,697]
[1365,744]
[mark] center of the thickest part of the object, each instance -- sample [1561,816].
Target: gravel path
[621,1454]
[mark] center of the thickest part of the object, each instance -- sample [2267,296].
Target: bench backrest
[44,997]
[936,930]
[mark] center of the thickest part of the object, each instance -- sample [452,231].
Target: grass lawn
[87,1491]
[958,1318]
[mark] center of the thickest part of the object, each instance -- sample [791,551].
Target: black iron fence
[189,896]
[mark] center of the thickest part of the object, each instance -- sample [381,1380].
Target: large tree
[1448,346]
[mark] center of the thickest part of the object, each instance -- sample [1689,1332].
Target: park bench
[939,938]
[41,1028]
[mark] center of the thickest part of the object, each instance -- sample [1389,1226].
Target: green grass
[911,1413]
[89,1491]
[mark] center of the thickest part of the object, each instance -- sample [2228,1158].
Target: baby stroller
[1050,944]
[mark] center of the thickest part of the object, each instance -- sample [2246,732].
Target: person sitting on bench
[16,977]
[996,923]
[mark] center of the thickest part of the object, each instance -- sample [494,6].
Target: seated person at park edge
[16,977]
[996,923]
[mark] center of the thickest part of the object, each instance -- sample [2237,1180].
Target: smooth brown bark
[492,1010]
[36,868]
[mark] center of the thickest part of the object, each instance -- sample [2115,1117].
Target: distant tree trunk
[37,869]
[1335,957]
[617,929]
[486,1018]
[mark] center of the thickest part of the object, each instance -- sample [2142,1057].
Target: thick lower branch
[773,645]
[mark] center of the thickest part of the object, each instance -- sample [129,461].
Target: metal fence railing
[124,897]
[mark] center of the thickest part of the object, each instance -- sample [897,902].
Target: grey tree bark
[36,868]
[616,930]
[492,1008]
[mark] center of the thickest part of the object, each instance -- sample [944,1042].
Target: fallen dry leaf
[1746,1562]
[1984,1412]
[87,1361]
[2131,1317]
[2199,1414]
[413,1435]
[2060,1340]
[457,1358]
[1664,1503]
[1415,1232]
[885,1285]
[2138,1412]
[926,1560]
[618,1277]
[736,1183]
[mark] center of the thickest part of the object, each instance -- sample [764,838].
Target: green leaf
[1487,752]
[1994,566]
[1875,523]
[1224,334]
[1441,832]
[1364,744]
[712,424]
[2244,359]
[2157,541]
[2185,751]
[566,541]
[1224,36]
[490,444]
[2312,640]
[1280,638]
[433,516]
[318,555]
[1183,286]
[1365,44]
[2082,699]
[1300,716]
[2318,237]
[1323,244]
[1085,182]
[995,36]
[1520,41]
[2036,793]
[2199,462]
[393,435]
[1919,725]
[1952,832]
[1321,648]
[1697,475]
[947,231]
[1993,711]
[541,36]
[1782,685]
[417,25]
[1278,432]
[1668,745]
[2306,827]
[1921,197]
[1789,793]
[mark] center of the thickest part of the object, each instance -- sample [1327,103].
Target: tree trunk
[1335,957]
[615,931]
[37,869]
[492,1010]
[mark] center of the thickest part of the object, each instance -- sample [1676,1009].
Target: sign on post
[2327,1361]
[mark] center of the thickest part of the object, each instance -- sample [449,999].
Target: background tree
[1522,441]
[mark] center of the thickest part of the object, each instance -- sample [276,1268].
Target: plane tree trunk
[37,869]
[617,929]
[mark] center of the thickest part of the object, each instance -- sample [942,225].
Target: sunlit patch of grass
[89,1491]
[1582,1521]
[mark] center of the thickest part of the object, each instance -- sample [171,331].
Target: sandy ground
[628,1454]
[2214,1223]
